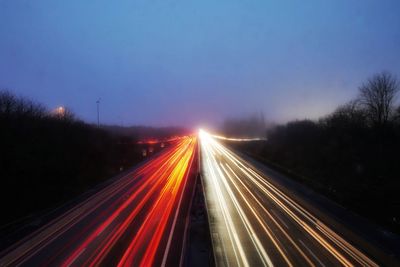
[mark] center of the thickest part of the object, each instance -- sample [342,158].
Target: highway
[254,223]
[138,220]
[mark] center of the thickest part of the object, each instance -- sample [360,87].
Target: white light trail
[237,194]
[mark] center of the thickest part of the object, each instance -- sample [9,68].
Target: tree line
[48,157]
[350,155]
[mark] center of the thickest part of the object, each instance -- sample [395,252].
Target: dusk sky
[186,62]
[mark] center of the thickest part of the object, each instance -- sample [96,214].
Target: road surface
[254,223]
[137,220]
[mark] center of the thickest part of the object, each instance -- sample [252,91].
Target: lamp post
[98,112]
[60,112]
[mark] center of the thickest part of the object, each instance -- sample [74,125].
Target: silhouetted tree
[397,115]
[48,157]
[377,96]
[350,155]
[63,113]
[12,105]
[349,113]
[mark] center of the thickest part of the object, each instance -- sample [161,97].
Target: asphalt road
[254,223]
[137,220]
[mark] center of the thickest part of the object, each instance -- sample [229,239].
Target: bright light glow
[202,133]
[59,111]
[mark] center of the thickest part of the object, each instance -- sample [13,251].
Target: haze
[195,62]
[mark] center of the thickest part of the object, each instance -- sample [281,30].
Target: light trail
[153,228]
[249,214]
[237,139]
[153,141]
[126,223]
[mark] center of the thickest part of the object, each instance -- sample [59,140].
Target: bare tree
[18,106]
[8,102]
[378,95]
[397,114]
[351,110]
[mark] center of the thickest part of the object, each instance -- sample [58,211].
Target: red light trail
[130,222]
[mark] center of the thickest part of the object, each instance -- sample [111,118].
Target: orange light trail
[140,209]
[153,228]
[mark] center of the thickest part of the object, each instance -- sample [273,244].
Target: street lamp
[98,112]
[60,111]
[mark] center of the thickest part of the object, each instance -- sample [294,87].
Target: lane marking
[76,257]
[272,218]
[166,252]
[256,242]
[279,218]
[312,253]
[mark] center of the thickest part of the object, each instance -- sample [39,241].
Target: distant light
[60,111]
[203,134]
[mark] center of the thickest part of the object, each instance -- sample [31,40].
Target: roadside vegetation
[351,155]
[48,157]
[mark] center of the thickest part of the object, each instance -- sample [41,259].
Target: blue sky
[186,62]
